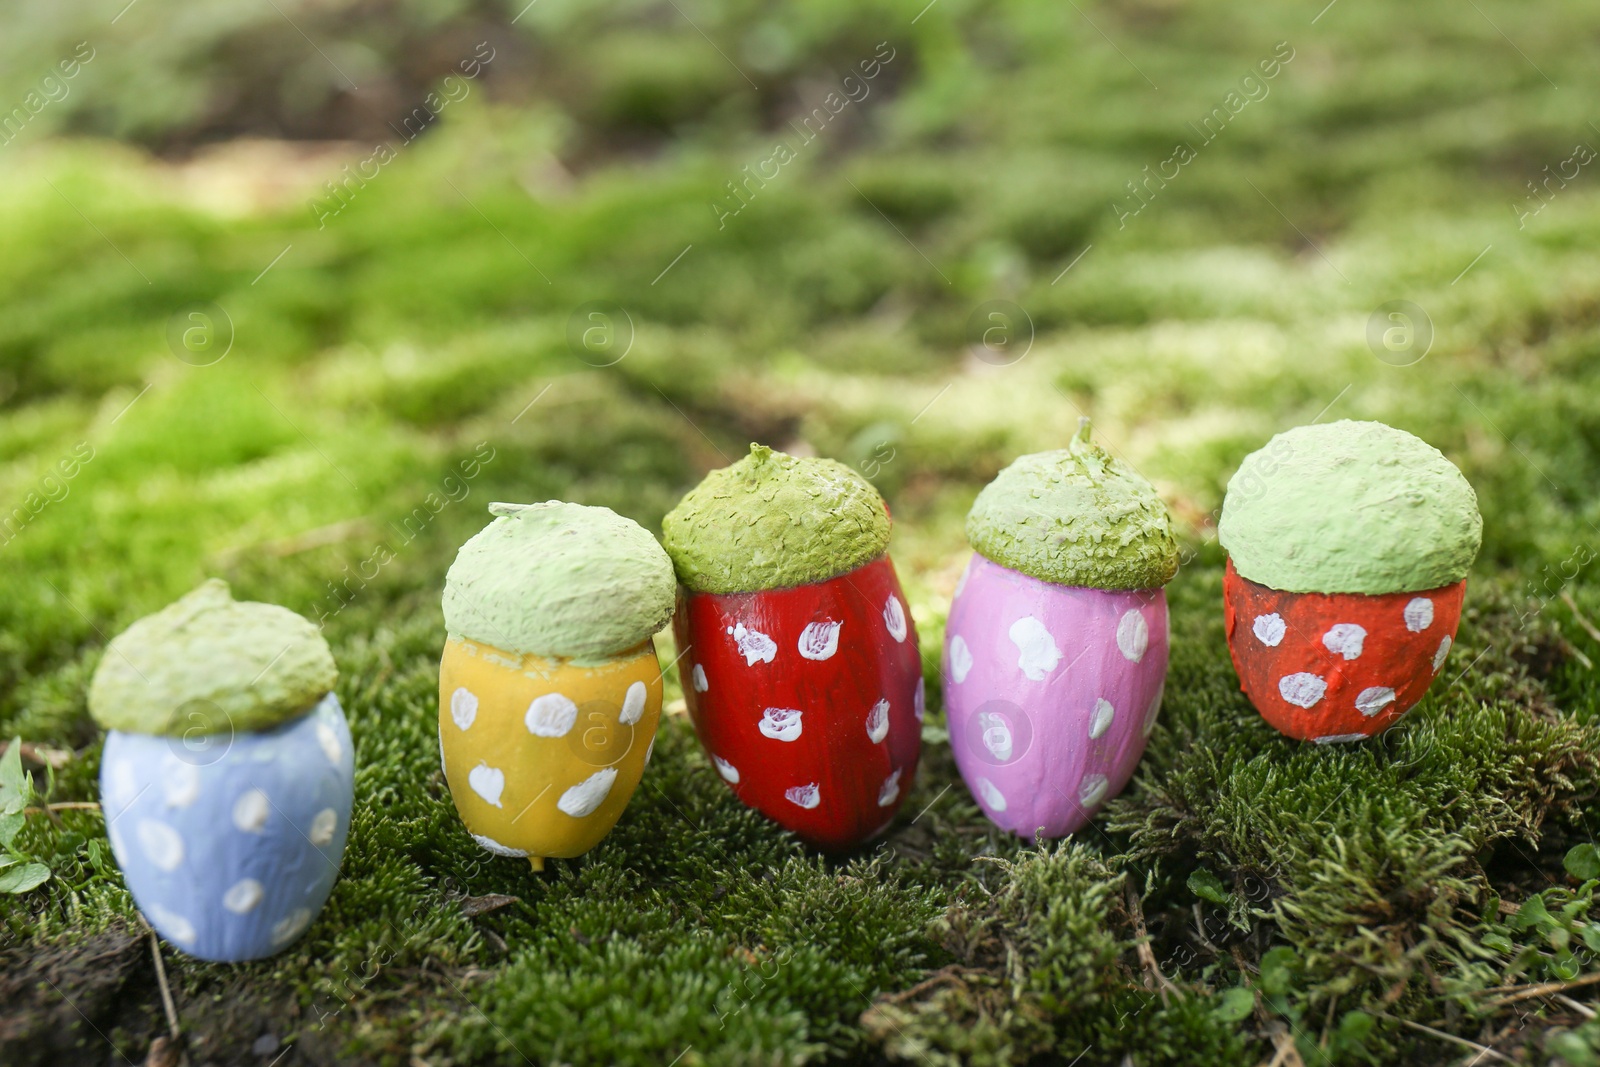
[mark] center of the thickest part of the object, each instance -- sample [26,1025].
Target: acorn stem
[537,863]
[1081,437]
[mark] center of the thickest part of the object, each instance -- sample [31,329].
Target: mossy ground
[1247,899]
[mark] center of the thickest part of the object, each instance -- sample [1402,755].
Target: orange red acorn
[1349,545]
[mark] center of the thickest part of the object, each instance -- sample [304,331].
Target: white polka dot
[1345,639]
[161,843]
[1444,651]
[919,701]
[996,735]
[889,792]
[820,640]
[124,784]
[1419,614]
[323,826]
[488,782]
[588,794]
[805,796]
[780,724]
[1037,651]
[894,617]
[463,707]
[1302,690]
[1339,739]
[632,704]
[699,679]
[991,797]
[1371,700]
[1133,635]
[551,715]
[173,927]
[291,926]
[960,659]
[329,740]
[180,783]
[1154,710]
[1093,790]
[729,772]
[1100,722]
[1269,629]
[251,810]
[754,646]
[496,847]
[878,721]
[242,896]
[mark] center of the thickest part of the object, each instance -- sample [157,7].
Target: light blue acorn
[227,777]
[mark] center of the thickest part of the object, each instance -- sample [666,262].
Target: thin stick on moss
[1577,1006]
[1582,620]
[1481,1050]
[1147,957]
[1543,989]
[166,991]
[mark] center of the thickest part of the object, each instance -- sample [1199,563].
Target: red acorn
[1348,550]
[800,660]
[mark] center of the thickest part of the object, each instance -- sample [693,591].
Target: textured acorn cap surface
[1350,507]
[559,579]
[207,663]
[1075,516]
[771,521]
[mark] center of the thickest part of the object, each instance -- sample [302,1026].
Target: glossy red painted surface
[1337,666]
[809,699]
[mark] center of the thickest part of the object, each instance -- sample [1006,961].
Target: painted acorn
[803,677]
[549,688]
[1056,646]
[227,775]
[1348,550]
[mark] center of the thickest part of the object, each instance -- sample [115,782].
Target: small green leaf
[1498,942]
[1572,1049]
[1583,862]
[1207,886]
[10,827]
[1532,913]
[1354,1026]
[15,786]
[1235,1004]
[1590,934]
[1277,970]
[21,879]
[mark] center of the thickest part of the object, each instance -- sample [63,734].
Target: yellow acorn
[549,689]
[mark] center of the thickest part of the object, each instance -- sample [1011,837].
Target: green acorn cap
[1075,516]
[211,663]
[771,521]
[1350,507]
[559,579]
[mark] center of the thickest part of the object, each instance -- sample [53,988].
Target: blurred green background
[271,272]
